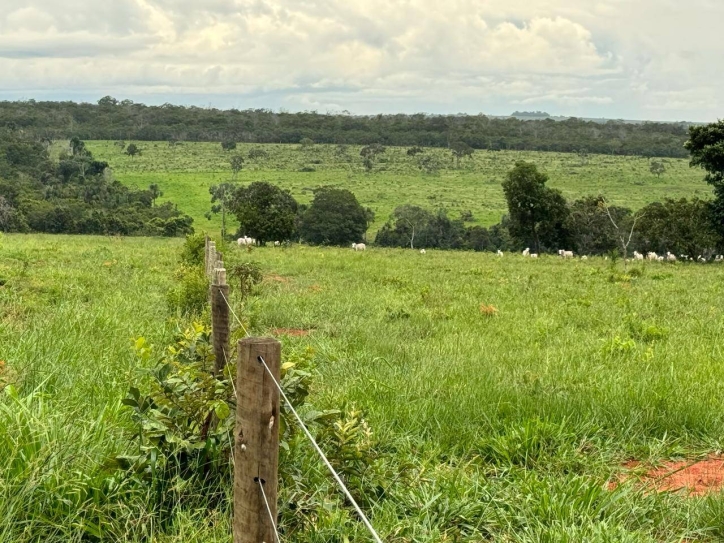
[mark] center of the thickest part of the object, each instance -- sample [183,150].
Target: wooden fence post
[220,318]
[256,444]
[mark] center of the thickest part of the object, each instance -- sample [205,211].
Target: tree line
[75,194]
[112,119]
[538,218]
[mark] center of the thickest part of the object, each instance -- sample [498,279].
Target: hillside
[185,171]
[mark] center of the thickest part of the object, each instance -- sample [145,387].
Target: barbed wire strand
[334,473]
[234,313]
[268,509]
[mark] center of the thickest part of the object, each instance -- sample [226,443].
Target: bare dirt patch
[276,278]
[691,477]
[292,332]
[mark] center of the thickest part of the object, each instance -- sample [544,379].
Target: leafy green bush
[193,251]
[190,295]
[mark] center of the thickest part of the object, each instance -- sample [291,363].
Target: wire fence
[311,439]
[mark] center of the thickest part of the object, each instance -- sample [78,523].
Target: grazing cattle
[422,251]
[534,255]
[719,258]
[245,241]
[638,256]
[277,244]
[565,254]
[652,256]
[526,252]
[584,257]
[670,257]
[499,253]
[359,246]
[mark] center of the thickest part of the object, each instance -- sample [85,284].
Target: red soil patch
[292,332]
[695,478]
[276,278]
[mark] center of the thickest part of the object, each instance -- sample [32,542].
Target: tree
[590,226]
[265,212]
[621,229]
[429,164]
[228,145]
[306,143]
[77,146]
[156,192]
[411,226]
[538,214]
[369,154]
[334,217]
[706,145]
[657,168]
[132,150]
[460,150]
[221,196]
[679,226]
[236,163]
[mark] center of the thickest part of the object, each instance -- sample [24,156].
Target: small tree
[430,164]
[249,275]
[77,146]
[236,163]
[228,145]
[460,150]
[369,154]
[221,196]
[657,168]
[132,150]
[156,193]
[306,143]
[623,239]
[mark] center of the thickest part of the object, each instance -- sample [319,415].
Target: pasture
[503,394]
[186,171]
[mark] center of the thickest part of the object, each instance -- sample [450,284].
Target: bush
[190,295]
[194,250]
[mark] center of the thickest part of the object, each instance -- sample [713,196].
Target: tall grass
[487,425]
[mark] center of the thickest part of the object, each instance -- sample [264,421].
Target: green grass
[186,171]
[501,428]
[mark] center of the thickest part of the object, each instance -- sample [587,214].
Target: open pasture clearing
[186,171]
[500,426]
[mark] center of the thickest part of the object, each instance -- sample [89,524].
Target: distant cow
[359,246]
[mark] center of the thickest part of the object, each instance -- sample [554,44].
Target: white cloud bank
[658,59]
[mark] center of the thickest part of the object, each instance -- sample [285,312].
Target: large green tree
[335,217]
[706,145]
[265,212]
[538,214]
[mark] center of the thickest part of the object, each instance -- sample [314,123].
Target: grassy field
[503,394]
[185,172]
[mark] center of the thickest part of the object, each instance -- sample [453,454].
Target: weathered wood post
[256,444]
[220,330]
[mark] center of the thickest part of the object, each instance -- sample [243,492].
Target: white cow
[422,251]
[534,255]
[526,252]
[277,244]
[242,241]
[565,254]
[652,256]
[499,253]
[670,257]
[638,256]
[584,257]
[359,246]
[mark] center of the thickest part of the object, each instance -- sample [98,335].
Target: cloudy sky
[636,59]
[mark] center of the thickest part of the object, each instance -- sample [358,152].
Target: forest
[112,119]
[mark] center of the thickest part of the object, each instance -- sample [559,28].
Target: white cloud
[600,57]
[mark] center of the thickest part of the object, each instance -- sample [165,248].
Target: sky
[632,59]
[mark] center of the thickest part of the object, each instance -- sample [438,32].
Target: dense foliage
[265,212]
[75,195]
[706,144]
[111,119]
[335,217]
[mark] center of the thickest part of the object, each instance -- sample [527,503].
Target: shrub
[190,295]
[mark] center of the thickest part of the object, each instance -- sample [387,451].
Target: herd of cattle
[668,257]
